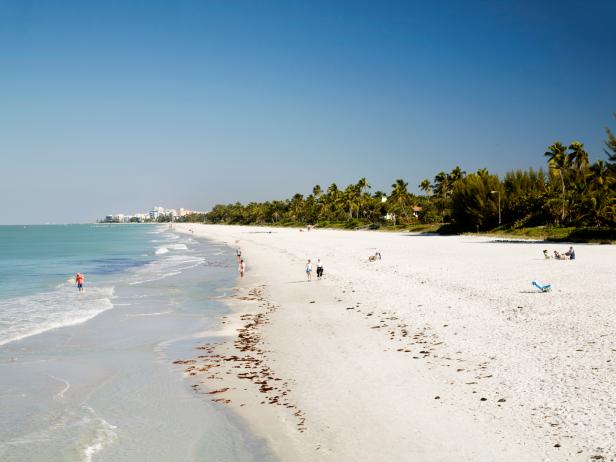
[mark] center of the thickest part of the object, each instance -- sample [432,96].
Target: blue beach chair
[542,288]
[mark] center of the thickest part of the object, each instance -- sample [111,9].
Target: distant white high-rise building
[156,212]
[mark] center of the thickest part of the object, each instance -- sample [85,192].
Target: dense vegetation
[571,192]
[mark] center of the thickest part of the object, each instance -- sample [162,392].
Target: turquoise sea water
[90,376]
[38,266]
[38,258]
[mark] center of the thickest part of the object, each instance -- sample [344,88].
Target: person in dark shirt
[570,253]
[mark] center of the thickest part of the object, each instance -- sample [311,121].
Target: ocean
[90,376]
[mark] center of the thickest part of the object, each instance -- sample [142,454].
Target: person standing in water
[319,268]
[242,268]
[79,279]
[309,270]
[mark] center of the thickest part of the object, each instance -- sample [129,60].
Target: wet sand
[440,351]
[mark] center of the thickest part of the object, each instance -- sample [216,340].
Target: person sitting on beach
[545,254]
[241,268]
[79,279]
[560,256]
[319,268]
[570,253]
[309,270]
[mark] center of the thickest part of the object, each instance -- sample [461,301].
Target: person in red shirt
[79,279]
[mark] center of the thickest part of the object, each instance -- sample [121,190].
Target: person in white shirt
[319,268]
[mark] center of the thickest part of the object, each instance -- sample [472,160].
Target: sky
[119,106]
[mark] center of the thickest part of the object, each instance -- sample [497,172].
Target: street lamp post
[499,206]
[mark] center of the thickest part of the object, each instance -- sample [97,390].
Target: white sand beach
[440,351]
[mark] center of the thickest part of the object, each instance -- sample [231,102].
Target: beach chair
[542,288]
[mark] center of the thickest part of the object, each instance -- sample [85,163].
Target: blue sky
[118,106]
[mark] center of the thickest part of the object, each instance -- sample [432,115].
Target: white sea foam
[177,247]
[163,249]
[157,278]
[103,436]
[30,315]
[160,274]
[158,230]
[60,395]
[170,264]
[158,313]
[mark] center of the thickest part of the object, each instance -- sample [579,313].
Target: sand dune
[441,351]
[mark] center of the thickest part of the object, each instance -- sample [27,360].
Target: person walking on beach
[319,268]
[309,270]
[242,268]
[238,252]
[79,279]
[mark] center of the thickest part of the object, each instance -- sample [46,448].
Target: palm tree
[400,195]
[441,184]
[610,145]
[379,195]
[317,192]
[441,190]
[599,173]
[332,190]
[351,198]
[456,174]
[579,155]
[332,200]
[426,187]
[297,206]
[362,186]
[559,162]
[483,172]
[601,205]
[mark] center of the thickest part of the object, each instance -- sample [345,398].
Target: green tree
[362,187]
[559,162]
[399,198]
[473,204]
[610,145]
[426,186]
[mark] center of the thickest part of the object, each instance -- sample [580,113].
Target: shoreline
[255,395]
[111,380]
[440,349]
[532,234]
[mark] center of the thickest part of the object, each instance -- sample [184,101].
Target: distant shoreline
[546,234]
